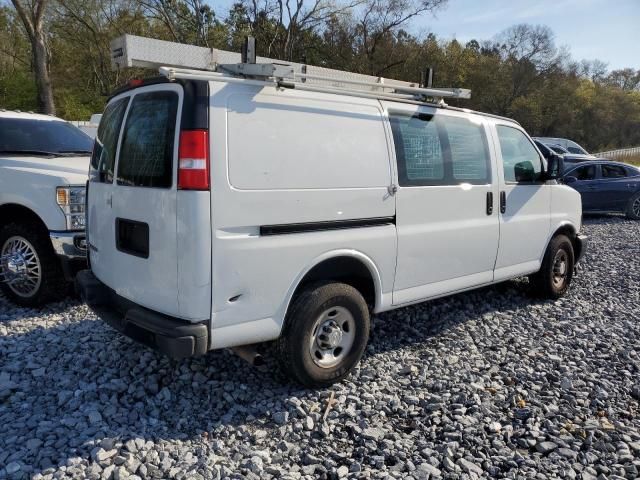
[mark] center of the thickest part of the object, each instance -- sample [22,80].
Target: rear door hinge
[392,189]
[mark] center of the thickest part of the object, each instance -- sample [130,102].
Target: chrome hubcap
[332,337]
[636,207]
[560,268]
[21,266]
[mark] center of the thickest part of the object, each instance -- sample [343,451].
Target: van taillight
[193,160]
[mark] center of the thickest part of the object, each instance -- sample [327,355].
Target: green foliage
[18,92]
[520,74]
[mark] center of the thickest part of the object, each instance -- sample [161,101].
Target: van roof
[159,79]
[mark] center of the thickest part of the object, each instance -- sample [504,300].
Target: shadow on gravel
[68,381]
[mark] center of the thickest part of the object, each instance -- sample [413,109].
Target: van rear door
[133,217]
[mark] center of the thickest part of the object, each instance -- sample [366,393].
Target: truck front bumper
[171,336]
[71,248]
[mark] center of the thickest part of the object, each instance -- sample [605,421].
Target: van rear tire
[326,332]
[555,275]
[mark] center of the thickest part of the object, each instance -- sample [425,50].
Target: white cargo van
[225,211]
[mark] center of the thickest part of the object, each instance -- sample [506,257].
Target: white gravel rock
[489,383]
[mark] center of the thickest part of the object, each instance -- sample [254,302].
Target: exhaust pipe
[249,354]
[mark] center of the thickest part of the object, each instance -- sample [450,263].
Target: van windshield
[25,136]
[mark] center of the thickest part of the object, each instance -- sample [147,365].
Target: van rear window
[146,154]
[106,142]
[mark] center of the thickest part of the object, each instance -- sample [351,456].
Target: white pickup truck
[44,163]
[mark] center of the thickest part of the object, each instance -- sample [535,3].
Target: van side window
[106,142]
[418,149]
[146,155]
[469,152]
[520,159]
[440,150]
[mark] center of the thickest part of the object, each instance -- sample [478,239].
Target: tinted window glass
[31,136]
[520,159]
[440,150]
[469,154]
[613,171]
[418,149]
[577,150]
[106,143]
[587,172]
[146,155]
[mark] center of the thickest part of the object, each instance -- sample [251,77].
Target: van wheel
[30,267]
[326,332]
[554,277]
[633,209]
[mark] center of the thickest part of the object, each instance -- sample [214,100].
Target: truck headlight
[72,200]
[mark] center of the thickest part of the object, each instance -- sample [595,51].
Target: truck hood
[74,169]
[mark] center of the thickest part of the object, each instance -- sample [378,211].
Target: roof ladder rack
[176,60]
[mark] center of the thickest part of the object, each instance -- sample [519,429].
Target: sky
[608,30]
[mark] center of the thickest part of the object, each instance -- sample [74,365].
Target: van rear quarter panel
[280,157]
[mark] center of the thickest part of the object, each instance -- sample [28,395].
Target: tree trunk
[41,68]
[32,15]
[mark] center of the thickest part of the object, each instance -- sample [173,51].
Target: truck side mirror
[555,167]
[570,179]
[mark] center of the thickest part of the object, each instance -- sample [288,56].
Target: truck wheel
[30,268]
[633,209]
[556,272]
[325,334]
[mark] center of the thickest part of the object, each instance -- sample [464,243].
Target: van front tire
[326,332]
[555,275]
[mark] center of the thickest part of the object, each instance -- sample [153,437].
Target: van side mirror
[524,172]
[555,167]
[570,179]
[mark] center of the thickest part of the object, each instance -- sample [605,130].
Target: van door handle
[489,203]
[503,202]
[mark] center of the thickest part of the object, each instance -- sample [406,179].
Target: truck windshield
[24,136]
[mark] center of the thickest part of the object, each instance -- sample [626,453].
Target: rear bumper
[171,336]
[71,248]
[580,246]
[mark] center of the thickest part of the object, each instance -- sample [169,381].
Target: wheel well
[12,212]
[570,232]
[343,269]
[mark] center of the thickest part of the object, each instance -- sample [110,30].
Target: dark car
[575,158]
[606,186]
[544,149]
[549,150]
[558,149]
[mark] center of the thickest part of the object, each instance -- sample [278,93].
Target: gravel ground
[489,383]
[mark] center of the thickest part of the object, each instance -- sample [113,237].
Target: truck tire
[633,208]
[326,332]
[555,275]
[40,278]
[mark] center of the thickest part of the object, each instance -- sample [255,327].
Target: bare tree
[188,21]
[627,79]
[381,21]
[32,15]
[283,25]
